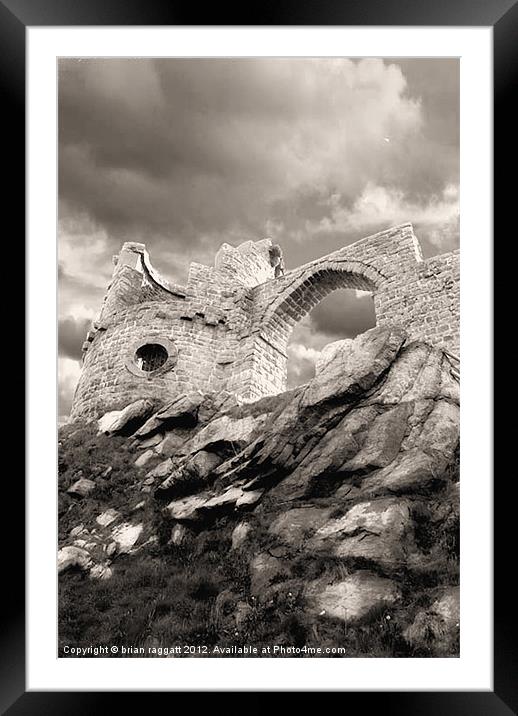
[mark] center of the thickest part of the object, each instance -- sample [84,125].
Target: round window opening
[151,356]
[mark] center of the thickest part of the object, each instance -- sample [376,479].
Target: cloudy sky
[186,154]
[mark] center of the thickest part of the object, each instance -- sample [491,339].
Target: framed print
[259,292]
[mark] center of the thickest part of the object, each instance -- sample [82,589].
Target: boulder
[190,474]
[82,487]
[328,353]
[436,630]
[225,434]
[172,443]
[143,459]
[101,571]
[383,440]
[295,526]
[206,506]
[351,598]
[106,518]
[126,535]
[77,530]
[380,531]
[128,419]
[412,471]
[186,508]
[149,442]
[162,469]
[356,366]
[182,411]
[73,556]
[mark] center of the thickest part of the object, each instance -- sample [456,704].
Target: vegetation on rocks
[321,519]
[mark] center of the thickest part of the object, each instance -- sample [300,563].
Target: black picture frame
[15,17]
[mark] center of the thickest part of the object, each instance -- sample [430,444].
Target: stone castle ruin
[228,328]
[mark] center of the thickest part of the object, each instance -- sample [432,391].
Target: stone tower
[229,326]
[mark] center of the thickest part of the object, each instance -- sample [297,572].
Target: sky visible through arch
[186,154]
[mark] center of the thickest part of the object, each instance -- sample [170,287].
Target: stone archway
[281,304]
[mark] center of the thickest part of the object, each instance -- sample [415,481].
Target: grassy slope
[170,596]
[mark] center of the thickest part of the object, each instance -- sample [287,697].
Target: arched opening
[344,313]
[283,304]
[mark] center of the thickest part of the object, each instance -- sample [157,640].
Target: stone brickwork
[231,323]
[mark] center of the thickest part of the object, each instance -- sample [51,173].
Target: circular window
[150,356]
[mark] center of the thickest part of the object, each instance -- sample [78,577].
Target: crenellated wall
[229,327]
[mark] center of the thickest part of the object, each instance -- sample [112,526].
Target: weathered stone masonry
[229,327]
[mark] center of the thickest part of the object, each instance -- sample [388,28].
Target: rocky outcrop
[342,492]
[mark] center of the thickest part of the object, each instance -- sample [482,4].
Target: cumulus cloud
[436,219]
[68,374]
[184,154]
[71,336]
[342,314]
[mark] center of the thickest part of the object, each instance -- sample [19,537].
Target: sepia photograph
[259,357]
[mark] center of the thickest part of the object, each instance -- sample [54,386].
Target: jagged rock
[126,535]
[356,366]
[247,499]
[412,471]
[186,508]
[182,411]
[216,403]
[106,518]
[77,530]
[383,440]
[355,471]
[329,352]
[240,534]
[107,420]
[352,597]
[380,531]
[226,499]
[172,443]
[437,628]
[132,415]
[73,556]
[295,526]
[192,472]
[82,488]
[150,442]
[162,469]
[101,571]
[225,434]
[143,459]
[203,463]
[205,505]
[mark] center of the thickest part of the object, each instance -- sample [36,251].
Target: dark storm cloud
[343,314]
[186,154]
[177,150]
[72,334]
[65,395]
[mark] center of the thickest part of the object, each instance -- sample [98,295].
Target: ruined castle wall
[199,324]
[229,326]
[424,299]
